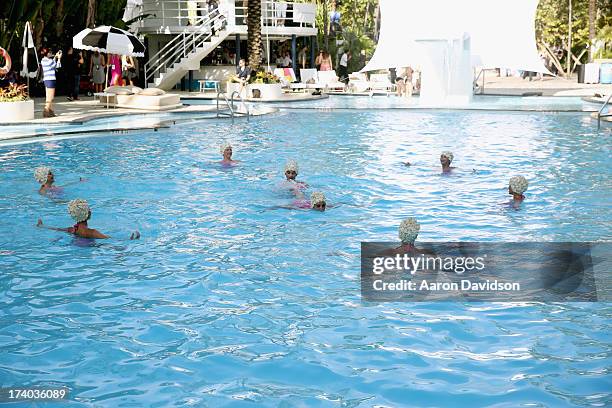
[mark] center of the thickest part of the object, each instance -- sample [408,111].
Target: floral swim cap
[519,184]
[78,210]
[448,155]
[291,165]
[41,173]
[224,146]
[316,198]
[409,230]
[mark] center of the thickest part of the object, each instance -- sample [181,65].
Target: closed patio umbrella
[28,69]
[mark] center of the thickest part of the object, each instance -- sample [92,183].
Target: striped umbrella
[109,40]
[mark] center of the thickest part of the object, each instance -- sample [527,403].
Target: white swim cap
[316,198]
[291,165]
[78,210]
[409,230]
[41,173]
[448,155]
[224,146]
[518,184]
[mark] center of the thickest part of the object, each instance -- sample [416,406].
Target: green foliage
[358,20]
[13,93]
[45,17]
[263,77]
[552,23]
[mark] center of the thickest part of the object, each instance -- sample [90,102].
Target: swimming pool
[226,301]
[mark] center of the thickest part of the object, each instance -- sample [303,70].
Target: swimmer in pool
[79,210]
[46,178]
[291,172]
[516,187]
[226,151]
[408,232]
[317,202]
[446,158]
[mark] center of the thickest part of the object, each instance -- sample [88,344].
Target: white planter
[267,91]
[16,111]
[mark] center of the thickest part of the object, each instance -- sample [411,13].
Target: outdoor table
[106,95]
[204,82]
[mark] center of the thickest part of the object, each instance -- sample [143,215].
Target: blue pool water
[226,301]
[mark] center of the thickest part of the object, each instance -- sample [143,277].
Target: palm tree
[91,14]
[254,45]
[592,18]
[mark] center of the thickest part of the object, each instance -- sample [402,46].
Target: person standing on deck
[343,66]
[49,64]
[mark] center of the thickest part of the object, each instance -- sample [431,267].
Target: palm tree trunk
[592,17]
[91,14]
[254,45]
[59,13]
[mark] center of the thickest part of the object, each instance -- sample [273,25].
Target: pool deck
[87,108]
[549,86]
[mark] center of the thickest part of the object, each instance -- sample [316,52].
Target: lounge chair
[133,97]
[358,82]
[286,75]
[313,79]
[381,82]
[330,80]
[308,80]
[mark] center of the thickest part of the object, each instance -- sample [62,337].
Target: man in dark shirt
[74,61]
[243,73]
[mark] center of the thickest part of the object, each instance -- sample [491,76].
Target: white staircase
[185,51]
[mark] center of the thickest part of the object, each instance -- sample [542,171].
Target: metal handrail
[181,46]
[230,107]
[242,101]
[599,113]
[475,82]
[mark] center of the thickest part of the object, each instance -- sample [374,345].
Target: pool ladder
[600,113]
[230,105]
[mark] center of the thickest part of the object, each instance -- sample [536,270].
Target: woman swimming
[408,233]
[226,151]
[45,177]
[317,202]
[516,187]
[79,210]
[446,158]
[291,172]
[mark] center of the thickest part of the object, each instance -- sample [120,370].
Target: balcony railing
[163,14]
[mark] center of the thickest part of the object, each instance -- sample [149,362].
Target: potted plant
[15,106]
[265,85]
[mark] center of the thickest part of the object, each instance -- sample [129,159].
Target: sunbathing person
[45,177]
[226,151]
[79,210]
[446,158]
[516,187]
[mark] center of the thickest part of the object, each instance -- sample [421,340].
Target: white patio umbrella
[28,48]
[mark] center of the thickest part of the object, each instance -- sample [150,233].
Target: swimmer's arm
[39,224]
[94,233]
[81,179]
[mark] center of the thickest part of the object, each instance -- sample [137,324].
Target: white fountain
[447,40]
